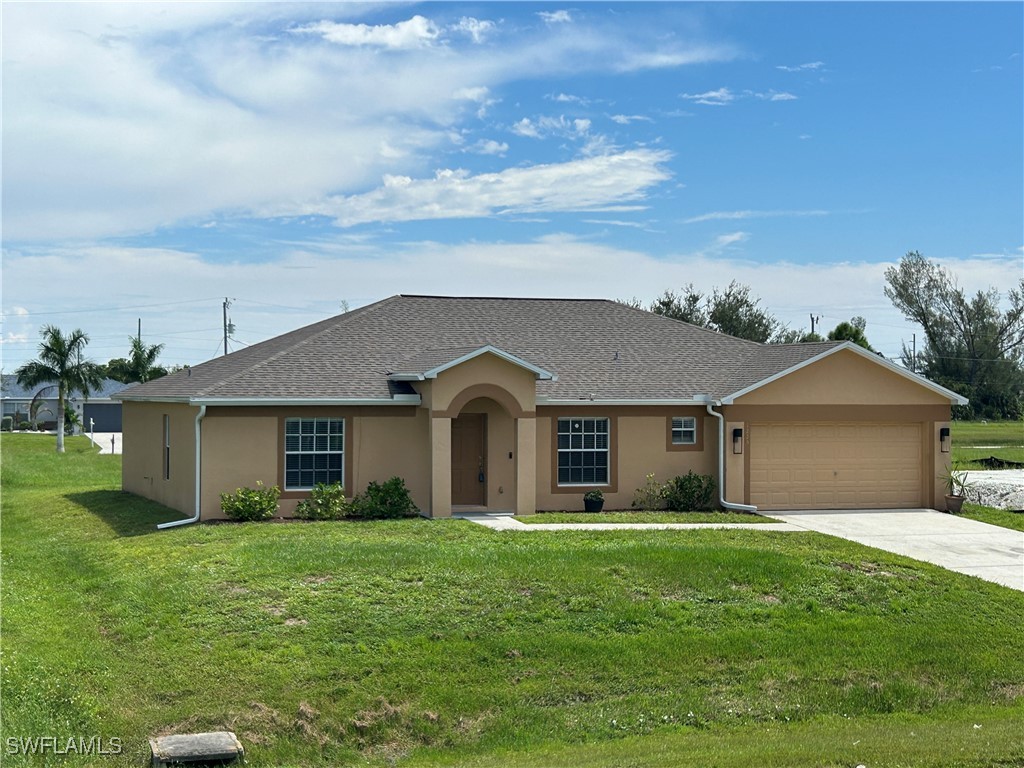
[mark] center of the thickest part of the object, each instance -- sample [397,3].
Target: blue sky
[301,157]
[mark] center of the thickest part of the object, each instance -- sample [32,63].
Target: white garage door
[835,465]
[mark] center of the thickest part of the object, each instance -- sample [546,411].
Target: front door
[469,459]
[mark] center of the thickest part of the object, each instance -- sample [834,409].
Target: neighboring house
[525,404]
[99,407]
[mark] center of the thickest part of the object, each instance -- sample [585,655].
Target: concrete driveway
[956,543]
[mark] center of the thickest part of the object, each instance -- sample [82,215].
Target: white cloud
[627,119]
[416,32]
[605,182]
[736,215]
[724,96]
[716,98]
[811,65]
[567,98]
[555,17]
[488,147]
[477,29]
[123,118]
[546,125]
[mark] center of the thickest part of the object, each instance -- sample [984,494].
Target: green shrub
[7,424]
[651,496]
[386,500]
[257,503]
[685,493]
[325,502]
[24,426]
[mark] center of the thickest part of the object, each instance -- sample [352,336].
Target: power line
[107,309]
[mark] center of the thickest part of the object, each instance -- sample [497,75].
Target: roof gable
[429,364]
[870,390]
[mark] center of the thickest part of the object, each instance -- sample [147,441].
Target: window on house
[167,447]
[684,430]
[314,452]
[583,451]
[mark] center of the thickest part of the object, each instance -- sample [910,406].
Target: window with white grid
[684,430]
[314,452]
[583,451]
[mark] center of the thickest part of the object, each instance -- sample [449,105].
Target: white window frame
[316,441]
[680,428]
[581,447]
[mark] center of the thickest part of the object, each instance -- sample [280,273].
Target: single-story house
[520,405]
[98,409]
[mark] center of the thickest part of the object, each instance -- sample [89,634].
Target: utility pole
[139,337]
[814,319]
[913,354]
[228,327]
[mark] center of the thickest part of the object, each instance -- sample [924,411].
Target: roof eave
[540,373]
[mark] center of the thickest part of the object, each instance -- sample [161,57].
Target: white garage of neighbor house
[525,404]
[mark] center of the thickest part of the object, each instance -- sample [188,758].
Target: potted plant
[593,501]
[957,489]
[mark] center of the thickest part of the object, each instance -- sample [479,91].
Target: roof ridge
[495,298]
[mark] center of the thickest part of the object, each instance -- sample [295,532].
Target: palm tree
[60,363]
[140,365]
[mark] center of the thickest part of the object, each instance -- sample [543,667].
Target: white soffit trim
[612,401]
[540,373]
[954,398]
[297,401]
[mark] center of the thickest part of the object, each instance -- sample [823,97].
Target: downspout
[199,464]
[721,466]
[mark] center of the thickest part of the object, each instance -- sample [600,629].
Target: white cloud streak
[738,215]
[605,182]
[811,65]
[417,32]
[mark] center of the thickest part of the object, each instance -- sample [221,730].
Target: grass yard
[441,643]
[973,440]
[633,516]
[993,516]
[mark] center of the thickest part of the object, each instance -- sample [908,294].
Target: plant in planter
[957,489]
[593,501]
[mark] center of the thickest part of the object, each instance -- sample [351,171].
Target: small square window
[684,430]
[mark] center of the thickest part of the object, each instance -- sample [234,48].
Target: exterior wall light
[944,439]
[737,440]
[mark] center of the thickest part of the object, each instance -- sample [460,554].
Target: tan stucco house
[524,404]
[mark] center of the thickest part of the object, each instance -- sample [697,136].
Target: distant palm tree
[60,363]
[140,366]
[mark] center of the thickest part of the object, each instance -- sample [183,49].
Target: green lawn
[632,516]
[424,642]
[973,440]
[994,516]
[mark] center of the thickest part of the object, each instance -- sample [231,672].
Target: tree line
[971,345]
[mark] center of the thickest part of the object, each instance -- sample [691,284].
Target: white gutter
[199,464]
[721,464]
[591,401]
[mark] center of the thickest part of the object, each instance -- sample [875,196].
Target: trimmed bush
[384,501]
[257,503]
[7,424]
[689,492]
[325,502]
[651,496]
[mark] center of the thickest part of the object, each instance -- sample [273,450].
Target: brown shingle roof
[594,347]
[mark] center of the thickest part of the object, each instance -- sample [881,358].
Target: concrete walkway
[509,523]
[955,543]
[108,442]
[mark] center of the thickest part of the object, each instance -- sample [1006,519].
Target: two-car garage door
[835,465]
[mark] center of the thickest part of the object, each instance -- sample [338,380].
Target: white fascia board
[954,398]
[129,399]
[613,401]
[540,373]
[300,401]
